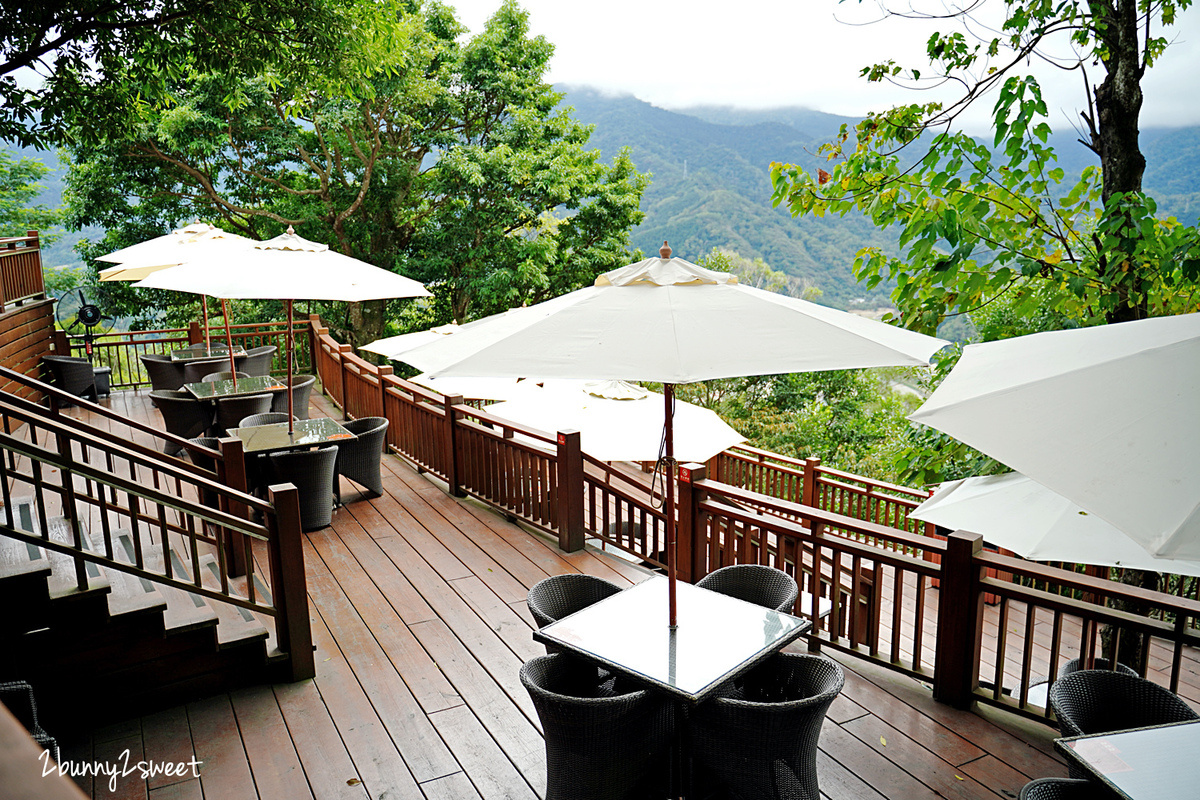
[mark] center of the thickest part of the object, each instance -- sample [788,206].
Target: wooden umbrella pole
[288,356]
[229,341]
[669,504]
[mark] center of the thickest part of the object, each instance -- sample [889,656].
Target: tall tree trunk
[365,321]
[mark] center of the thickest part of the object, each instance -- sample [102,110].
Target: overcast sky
[772,53]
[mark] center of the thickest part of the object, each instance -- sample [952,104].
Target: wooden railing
[100,481]
[121,350]
[898,594]
[20,269]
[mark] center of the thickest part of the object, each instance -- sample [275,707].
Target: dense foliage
[18,190]
[456,168]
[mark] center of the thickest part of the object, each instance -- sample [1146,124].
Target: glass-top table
[252,385]
[718,637]
[200,354]
[307,433]
[1141,764]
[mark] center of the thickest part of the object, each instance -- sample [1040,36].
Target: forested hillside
[711,188]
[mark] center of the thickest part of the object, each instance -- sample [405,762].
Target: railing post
[570,491]
[450,445]
[383,372]
[61,343]
[690,542]
[195,333]
[960,620]
[808,492]
[288,590]
[342,350]
[231,470]
[314,324]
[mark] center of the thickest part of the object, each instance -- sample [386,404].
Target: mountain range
[711,187]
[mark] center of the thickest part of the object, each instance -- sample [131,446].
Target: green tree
[450,169]
[18,189]
[980,220]
[757,273]
[90,65]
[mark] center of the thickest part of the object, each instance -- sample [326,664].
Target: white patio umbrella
[1106,417]
[472,388]
[1019,514]
[198,240]
[628,427]
[286,268]
[393,346]
[669,321]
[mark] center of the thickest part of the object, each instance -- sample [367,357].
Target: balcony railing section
[121,350]
[20,270]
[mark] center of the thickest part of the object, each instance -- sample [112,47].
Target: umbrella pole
[229,341]
[207,340]
[669,502]
[291,415]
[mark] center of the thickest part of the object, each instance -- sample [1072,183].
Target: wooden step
[236,624]
[184,611]
[18,559]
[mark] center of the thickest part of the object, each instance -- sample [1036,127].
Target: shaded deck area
[420,626]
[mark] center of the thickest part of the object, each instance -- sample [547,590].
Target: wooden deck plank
[224,769]
[401,714]
[168,740]
[513,628]
[452,787]
[327,764]
[273,758]
[492,774]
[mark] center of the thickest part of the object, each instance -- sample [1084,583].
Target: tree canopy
[983,220]
[18,189]
[456,168]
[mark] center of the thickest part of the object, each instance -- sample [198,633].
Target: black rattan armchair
[162,371]
[207,497]
[232,410]
[560,596]
[1100,663]
[755,583]
[213,377]
[302,386]
[312,473]
[601,744]
[359,458]
[183,415]
[194,371]
[266,418]
[71,374]
[1063,789]
[258,360]
[759,739]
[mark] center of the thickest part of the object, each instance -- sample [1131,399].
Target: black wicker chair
[312,473]
[601,743]
[183,415]
[164,373]
[72,374]
[758,741]
[1100,663]
[266,418]
[1100,701]
[302,386]
[213,377]
[232,410]
[559,596]
[194,371]
[17,696]
[359,459]
[207,497]
[258,360]
[755,583]
[1063,789]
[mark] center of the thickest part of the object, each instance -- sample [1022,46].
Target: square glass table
[189,354]
[306,433]
[718,637]
[1144,763]
[215,389]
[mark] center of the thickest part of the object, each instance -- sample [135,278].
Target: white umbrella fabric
[669,321]
[615,429]
[1105,416]
[286,268]
[393,346]
[472,388]
[1019,514]
[198,240]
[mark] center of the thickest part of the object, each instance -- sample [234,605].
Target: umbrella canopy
[1103,416]
[1018,513]
[616,429]
[286,268]
[393,346]
[471,388]
[670,321]
[198,240]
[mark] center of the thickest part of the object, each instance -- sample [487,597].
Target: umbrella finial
[291,231]
[664,251]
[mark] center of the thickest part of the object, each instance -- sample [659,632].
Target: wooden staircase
[123,645]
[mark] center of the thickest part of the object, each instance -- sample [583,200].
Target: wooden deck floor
[419,619]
